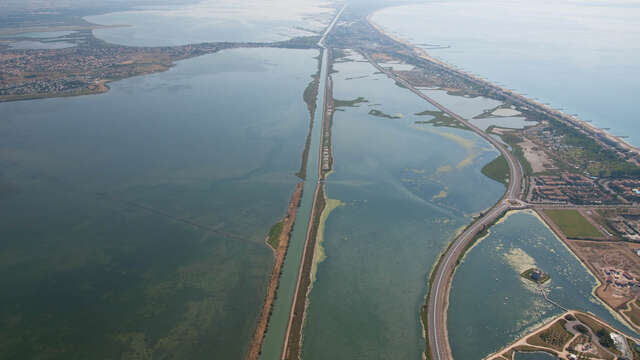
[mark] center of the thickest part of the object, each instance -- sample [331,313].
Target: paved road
[441,280]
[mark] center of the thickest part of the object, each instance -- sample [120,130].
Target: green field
[498,170]
[573,224]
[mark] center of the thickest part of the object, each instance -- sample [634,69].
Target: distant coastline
[620,141]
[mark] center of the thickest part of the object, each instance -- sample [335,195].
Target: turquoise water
[381,244]
[133,222]
[492,305]
[214,20]
[579,56]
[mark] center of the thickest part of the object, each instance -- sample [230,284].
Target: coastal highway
[438,300]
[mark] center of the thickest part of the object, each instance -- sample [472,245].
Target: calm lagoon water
[30,40]
[405,189]
[470,107]
[273,342]
[30,44]
[492,305]
[215,20]
[582,56]
[95,258]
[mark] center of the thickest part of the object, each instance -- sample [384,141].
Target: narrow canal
[274,338]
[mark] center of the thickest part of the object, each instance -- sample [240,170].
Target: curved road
[441,281]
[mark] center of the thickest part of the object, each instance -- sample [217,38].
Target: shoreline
[280,254]
[544,219]
[597,132]
[120,63]
[547,323]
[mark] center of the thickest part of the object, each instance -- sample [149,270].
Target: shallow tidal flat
[405,189]
[133,222]
[581,56]
[492,305]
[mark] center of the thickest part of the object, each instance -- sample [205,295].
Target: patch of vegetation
[581,329]
[514,142]
[468,93]
[440,119]
[274,234]
[604,338]
[338,54]
[310,97]
[585,153]
[349,103]
[498,170]
[300,42]
[556,336]
[379,113]
[424,316]
[633,312]
[540,279]
[573,224]
[592,324]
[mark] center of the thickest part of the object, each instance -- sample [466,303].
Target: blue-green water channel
[96,261]
[278,322]
[406,189]
[492,305]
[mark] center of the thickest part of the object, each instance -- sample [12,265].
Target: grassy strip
[274,235]
[498,170]
[573,224]
[310,97]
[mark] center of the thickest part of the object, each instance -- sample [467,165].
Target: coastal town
[89,64]
[573,335]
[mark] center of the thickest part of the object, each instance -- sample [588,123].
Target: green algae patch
[497,170]
[273,238]
[319,255]
[468,145]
